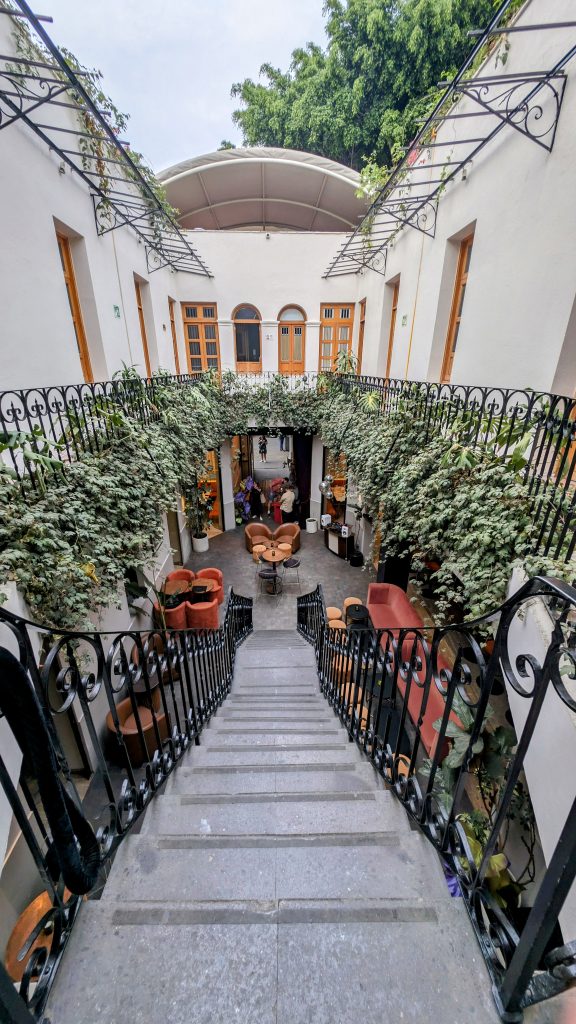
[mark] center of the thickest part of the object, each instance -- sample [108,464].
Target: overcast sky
[170,63]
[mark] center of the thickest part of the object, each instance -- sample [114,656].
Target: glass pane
[248,343]
[195,349]
[211,348]
[212,364]
[246,313]
[291,314]
[343,334]
[285,347]
[297,347]
[328,313]
[327,334]
[191,312]
[345,313]
[208,312]
[298,331]
[195,365]
[210,331]
[193,331]
[461,303]
[456,333]
[342,346]
[284,330]
[326,350]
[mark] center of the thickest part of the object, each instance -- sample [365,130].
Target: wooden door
[396,287]
[74,301]
[457,307]
[291,340]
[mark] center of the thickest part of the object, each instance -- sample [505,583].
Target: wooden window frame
[74,302]
[294,366]
[142,321]
[462,273]
[395,285]
[247,367]
[201,322]
[171,308]
[361,328]
[336,321]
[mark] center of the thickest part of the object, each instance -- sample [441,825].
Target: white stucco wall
[521,200]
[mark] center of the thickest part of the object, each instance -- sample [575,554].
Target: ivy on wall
[68,545]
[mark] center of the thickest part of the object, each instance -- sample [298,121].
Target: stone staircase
[275,880]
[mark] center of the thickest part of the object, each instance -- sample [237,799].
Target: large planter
[200,544]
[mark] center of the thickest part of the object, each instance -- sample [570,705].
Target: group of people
[287,500]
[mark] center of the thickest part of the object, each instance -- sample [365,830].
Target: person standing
[287,503]
[256,501]
[283,442]
[263,447]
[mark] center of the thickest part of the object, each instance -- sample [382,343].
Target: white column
[227,495]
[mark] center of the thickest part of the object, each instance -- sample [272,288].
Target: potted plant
[198,504]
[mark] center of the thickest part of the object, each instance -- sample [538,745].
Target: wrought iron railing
[63,422]
[135,702]
[465,789]
[499,419]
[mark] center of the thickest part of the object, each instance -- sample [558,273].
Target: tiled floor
[317,565]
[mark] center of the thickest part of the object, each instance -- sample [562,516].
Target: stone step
[274,738]
[272,755]
[278,814]
[274,676]
[191,869]
[272,962]
[292,690]
[264,659]
[338,779]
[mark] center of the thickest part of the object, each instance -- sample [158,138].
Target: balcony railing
[466,790]
[135,702]
[62,422]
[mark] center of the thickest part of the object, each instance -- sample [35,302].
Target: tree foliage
[361,97]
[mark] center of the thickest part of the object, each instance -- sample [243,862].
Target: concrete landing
[275,881]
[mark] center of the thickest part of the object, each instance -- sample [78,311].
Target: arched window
[247,338]
[291,339]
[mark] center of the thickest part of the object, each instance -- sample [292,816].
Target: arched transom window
[247,339]
[291,339]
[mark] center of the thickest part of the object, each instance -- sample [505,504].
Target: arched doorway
[291,339]
[247,338]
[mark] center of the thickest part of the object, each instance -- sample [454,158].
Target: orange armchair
[175,618]
[289,533]
[129,728]
[181,574]
[253,530]
[203,615]
[213,574]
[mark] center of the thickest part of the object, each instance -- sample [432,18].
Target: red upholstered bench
[390,608]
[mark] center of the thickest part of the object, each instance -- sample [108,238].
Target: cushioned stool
[287,548]
[257,550]
[336,624]
[333,613]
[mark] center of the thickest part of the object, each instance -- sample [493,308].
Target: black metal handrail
[65,421]
[136,701]
[387,684]
[497,419]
